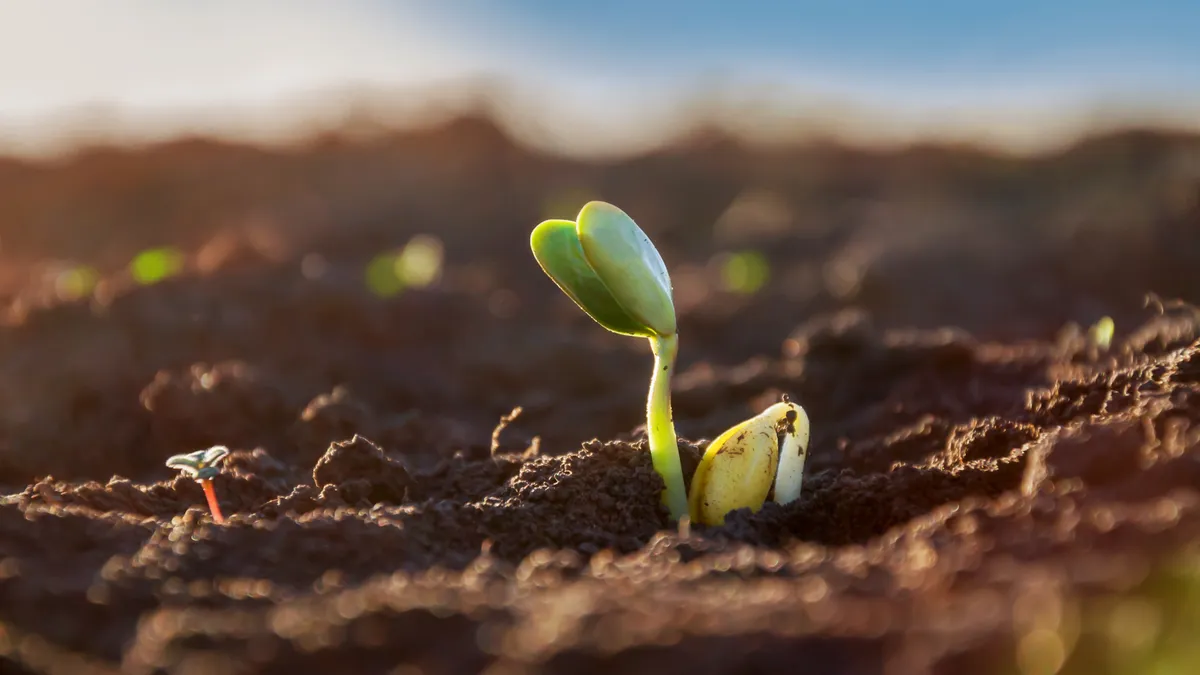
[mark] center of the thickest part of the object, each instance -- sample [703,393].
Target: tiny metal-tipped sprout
[740,466]
[202,465]
[606,264]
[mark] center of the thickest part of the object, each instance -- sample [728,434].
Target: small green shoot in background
[417,265]
[1101,333]
[744,272]
[76,282]
[381,275]
[154,265]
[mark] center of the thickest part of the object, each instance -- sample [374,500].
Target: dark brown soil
[988,492]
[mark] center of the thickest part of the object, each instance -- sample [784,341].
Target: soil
[990,488]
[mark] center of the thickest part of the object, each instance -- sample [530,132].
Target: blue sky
[596,70]
[1101,47]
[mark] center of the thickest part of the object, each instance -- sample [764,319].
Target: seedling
[740,468]
[606,264]
[202,465]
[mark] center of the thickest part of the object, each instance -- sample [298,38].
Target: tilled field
[990,488]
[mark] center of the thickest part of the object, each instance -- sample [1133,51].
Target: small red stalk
[212,500]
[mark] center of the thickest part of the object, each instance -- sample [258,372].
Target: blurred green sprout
[1101,333]
[744,272]
[153,265]
[76,282]
[607,265]
[203,466]
[417,265]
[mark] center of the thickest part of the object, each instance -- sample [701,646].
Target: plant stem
[212,501]
[660,425]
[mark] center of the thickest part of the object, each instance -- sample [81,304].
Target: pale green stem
[660,425]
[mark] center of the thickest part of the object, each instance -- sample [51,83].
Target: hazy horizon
[581,78]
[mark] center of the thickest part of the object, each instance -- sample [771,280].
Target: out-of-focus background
[578,77]
[1016,170]
[131,125]
[1004,167]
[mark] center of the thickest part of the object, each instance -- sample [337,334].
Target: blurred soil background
[977,451]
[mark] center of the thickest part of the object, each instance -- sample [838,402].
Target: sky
[580,72]
[917,44]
